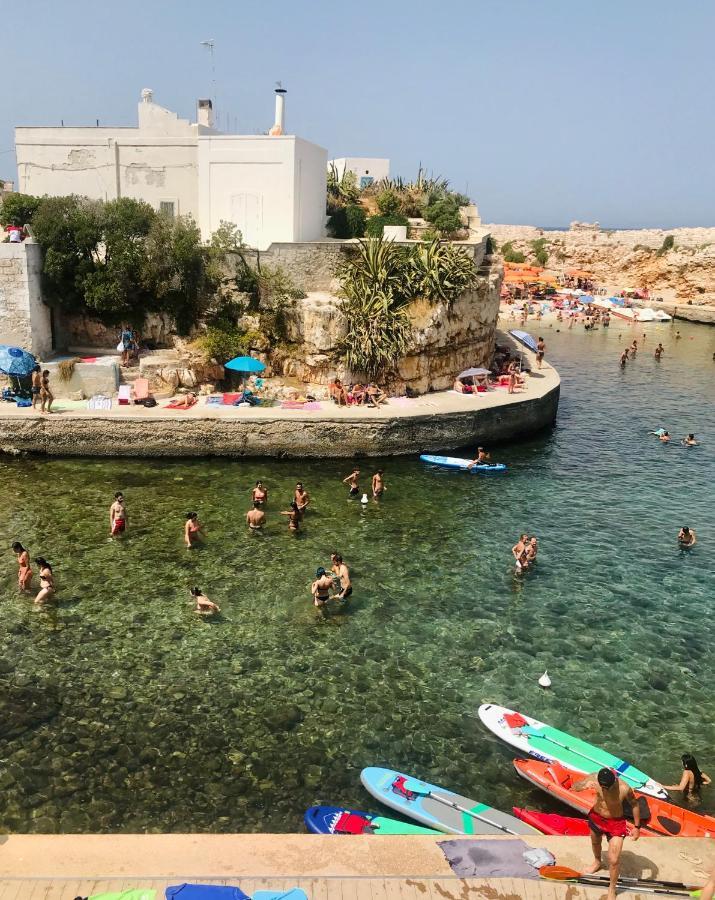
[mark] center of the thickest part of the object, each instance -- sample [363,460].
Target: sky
[543,111]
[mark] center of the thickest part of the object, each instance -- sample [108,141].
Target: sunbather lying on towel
[185,402]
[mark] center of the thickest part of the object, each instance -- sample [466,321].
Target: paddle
[530,731]
[416,788]
[652,885]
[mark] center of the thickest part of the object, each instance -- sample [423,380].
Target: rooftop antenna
[209,45]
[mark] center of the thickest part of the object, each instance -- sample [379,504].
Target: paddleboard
[657,816]
[541,741]
[409,796]
[552,823]
[338,820]
[455,462]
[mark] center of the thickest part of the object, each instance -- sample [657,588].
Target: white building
[366,168]
[271,186]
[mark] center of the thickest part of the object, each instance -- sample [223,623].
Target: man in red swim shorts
[606,818]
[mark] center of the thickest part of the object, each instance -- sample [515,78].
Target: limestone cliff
[621,259]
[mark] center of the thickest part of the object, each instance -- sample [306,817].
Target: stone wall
[77,330]
[301,437]
[24,319]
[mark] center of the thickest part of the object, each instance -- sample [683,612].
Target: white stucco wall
[155,162]
[272,188]
[24,318]
[373,167]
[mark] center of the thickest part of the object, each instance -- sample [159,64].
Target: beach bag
[120,347]
[149,403]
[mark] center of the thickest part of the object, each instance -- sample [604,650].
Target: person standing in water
[520,553]
[624,358]
[607,818]
[47,581]
[687,537]
[692,781]
[320,588]
[24,571]
[532,549]
[659,351]
[255,518]
[192,531]
[117,515]
[343,573]
[378,484]
[353,480]
[204,606]
[294,517]
[259,494]
[301,497]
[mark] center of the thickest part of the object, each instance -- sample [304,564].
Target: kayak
[552,823]
[437,808]
[455,462]
[338,820]
[657,816]
[541,741]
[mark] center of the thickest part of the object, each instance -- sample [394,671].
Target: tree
[510,254]
[18,209]
[444,215]
[348,221]
[388,202]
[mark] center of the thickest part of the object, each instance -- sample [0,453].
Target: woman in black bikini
[294,516]
[692,781]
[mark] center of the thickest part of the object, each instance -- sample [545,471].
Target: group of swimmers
[525,551]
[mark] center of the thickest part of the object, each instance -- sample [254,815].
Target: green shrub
[444,215]
[388,202]
[348,222]
[222,342]
[540,251]
[668,244]
[431,234]
[510,254]
[18,209]
[375,224]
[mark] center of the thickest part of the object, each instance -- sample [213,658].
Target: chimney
[147,95]
[205,113]
[279,123]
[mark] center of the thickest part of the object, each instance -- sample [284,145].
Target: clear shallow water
[146,717]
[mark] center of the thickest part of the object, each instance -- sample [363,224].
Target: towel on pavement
[488,859]
[205,892]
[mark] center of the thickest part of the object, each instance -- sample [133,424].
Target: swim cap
[320,572]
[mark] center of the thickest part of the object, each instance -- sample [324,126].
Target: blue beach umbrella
[16,361]
[245,364]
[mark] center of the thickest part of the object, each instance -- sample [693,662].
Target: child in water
[204,606]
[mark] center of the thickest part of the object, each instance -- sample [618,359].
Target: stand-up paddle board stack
[338,820]
[456,462]
[437,808]
[540,741]
[657,816]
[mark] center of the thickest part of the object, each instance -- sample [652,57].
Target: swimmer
[204,606]
[24,572]
[255,518]
[624,358]
[192,530]
[532,548]
[481,459]
[677,335]
[353,480]
[690,441]
[117,515]
[301,497]
[294,517]
[687,537]
[664,438]
[693,779]
[320,588]
[47,581]
[343,573]
[378,484]
[659,351]
[634,348]
[259,494]
[520,554]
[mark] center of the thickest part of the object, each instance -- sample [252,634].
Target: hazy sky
[544,110]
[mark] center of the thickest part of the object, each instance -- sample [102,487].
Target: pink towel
[293,404]
[230,399]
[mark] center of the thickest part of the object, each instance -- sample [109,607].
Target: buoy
[364,499]
[545,681]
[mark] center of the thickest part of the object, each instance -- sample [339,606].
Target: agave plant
[440,271]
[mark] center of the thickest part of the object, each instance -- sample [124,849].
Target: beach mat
[131,894]
[188,891]
[290,894]
[294,404]
[488,859]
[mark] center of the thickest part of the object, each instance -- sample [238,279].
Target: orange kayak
[657,816]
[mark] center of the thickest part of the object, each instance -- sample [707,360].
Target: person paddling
[481,459]
[607,818]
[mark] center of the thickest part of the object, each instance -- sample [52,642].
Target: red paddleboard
[552,823]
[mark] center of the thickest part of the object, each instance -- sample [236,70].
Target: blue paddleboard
[455,462]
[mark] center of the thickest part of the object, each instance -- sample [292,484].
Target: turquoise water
[124,711]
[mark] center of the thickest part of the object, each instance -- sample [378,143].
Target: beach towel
[296,404]
[89,359]
[290,894]
[230,399]
[214,401]
[99,401]
[205,892]
[488,859]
